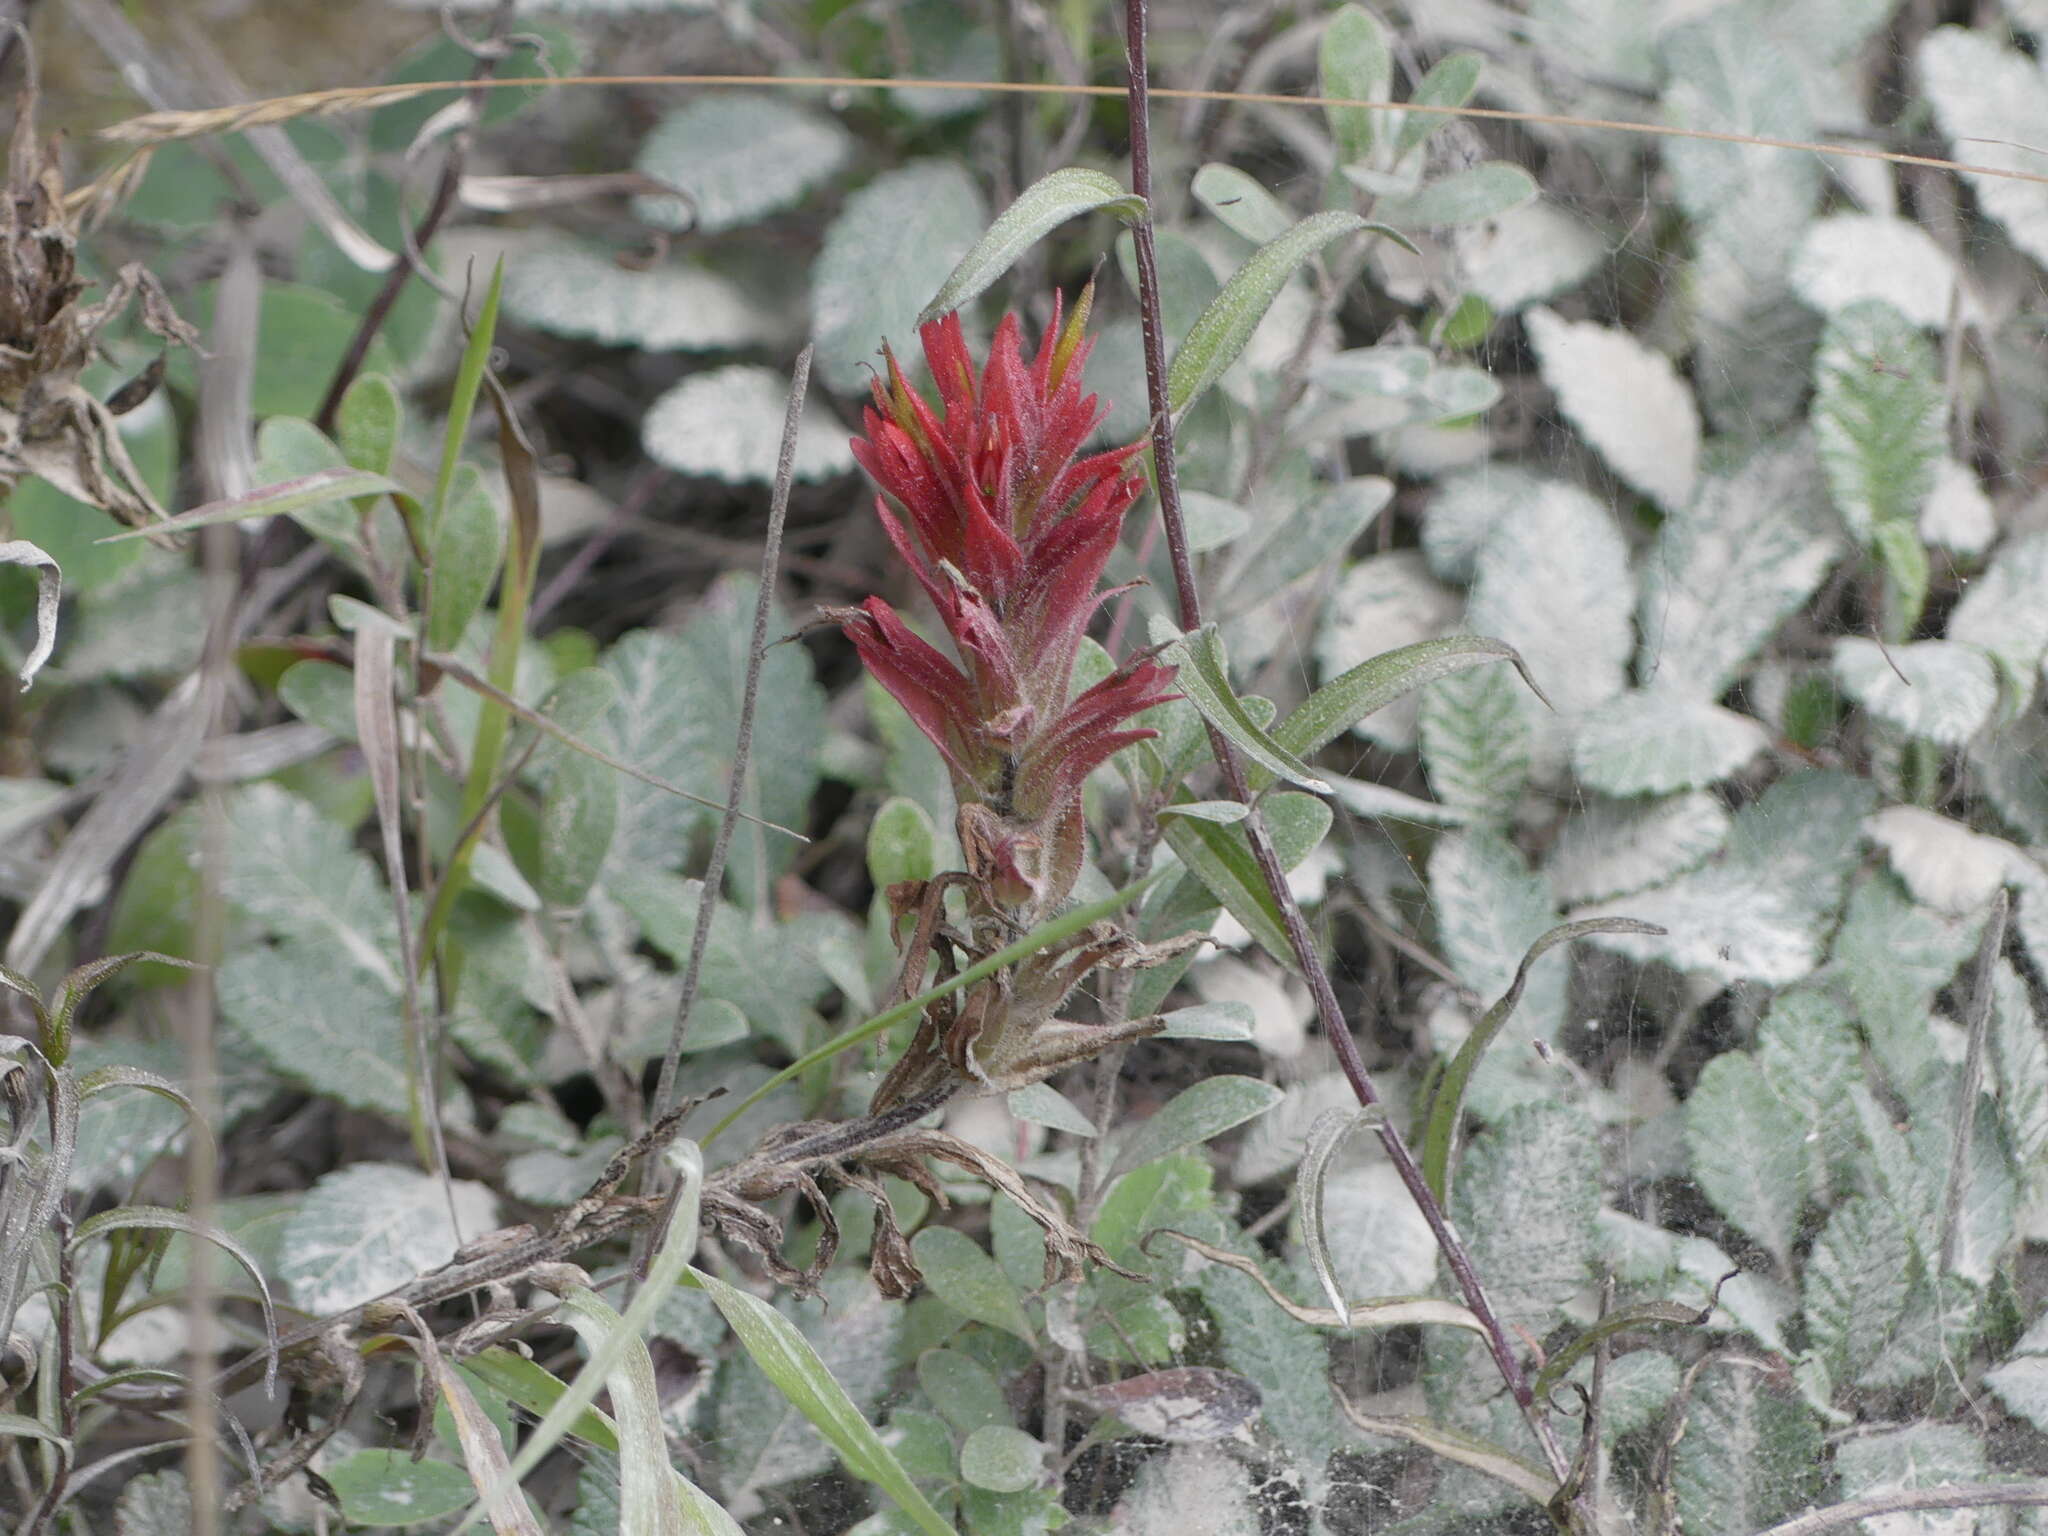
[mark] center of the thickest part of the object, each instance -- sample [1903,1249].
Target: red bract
[1007,528]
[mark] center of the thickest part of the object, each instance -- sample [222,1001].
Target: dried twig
[1899,1500]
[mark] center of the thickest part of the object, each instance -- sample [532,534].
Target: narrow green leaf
[1379,680]
[157,1219]
[1205,679]
[469,378]
[1355,64]
[1208,1108]
[1449,1100]
[321,486]
[370,423]
[1450,83]
[1040,208]
[537,1390]
[1222,330]
[1240,203]
[786,1358]
[970,1282]
[468,548]
[1221,859]
[1332,1128]
[647,1495]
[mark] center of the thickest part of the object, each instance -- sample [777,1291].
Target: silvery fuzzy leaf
[1942,862]
[1611,38]
[1751,1454]
[1610,847]
[1957,514]
[1380,604]
[1476,741]
[2002,610]
[1625,399]
[1274,1142]
[1877,416]
[894,242]
[1731,76]
[326,1025]
[1653,741]
[1462,513]
[1188,1488]
[1264,1343]
[1992,103]
[1526,1200]
[1848,257]
[1761,910]
[1753,352]
[1749,548]
[293,872]
[2019,1067]
[1923,1455]
[1527,255]
[572,289]
[726,424]
[1895,955]
[1748,1150]
[1937,690]
[369,1228]
[1379,1242]
[1490,907]
[737,157]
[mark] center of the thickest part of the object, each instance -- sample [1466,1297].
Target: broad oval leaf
[737,157]
[367,1228]
[1240,203]
[1626,400]
[1208,1108]
[1222,330]
[384,1488]
[1470,196]
[965,1278]
[1040,208]
[1001,1459]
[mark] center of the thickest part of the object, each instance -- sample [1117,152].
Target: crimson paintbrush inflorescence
[1007,527]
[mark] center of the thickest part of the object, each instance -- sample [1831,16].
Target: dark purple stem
[1298,936]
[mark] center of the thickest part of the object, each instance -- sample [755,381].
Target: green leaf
[469,376]
[1450,83]
[468,549]
[301,336]
[1354,63]
[902,843]
[323,1023]
[1206,1109]
[1376,682]
[381,1488]
[1856,1288]
[1220,857]
[964,1390]
[370,423]
[1040,208]
[1240,203]
[1204,677]
[1001,1459]
[787,1359]
[1903,559]
[736,157]
[966,1279]
[1748,1151]
[1221,332]
[536,1389]
[1476,743]
[370,1227]
[1043,1104]
[1877,416]
[1210,1021]
[1749,1455]
[1469,196]
[316,489]
[579,809]
[1221,812]
[890,248]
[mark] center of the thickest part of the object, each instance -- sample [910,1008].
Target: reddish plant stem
[1298,937]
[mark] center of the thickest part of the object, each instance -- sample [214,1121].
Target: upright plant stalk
[1270,868]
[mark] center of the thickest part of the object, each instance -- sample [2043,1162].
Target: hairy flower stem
[1275,876]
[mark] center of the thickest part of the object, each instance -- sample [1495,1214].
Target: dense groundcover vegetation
[810,806]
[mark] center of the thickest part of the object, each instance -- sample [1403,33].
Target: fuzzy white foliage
[1937,690]
[1992,103]
[2002,610]
[1527,255]
[1380,604]
[370,1227]
[726,423]
[1462,513]
[1942,862]
[1654,741]
[1611,847]
[1190,1488]
[738,156]
[1957,514]
[1851,256]
[571,289]
[1626,400]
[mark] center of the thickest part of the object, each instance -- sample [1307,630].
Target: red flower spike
[987,501]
